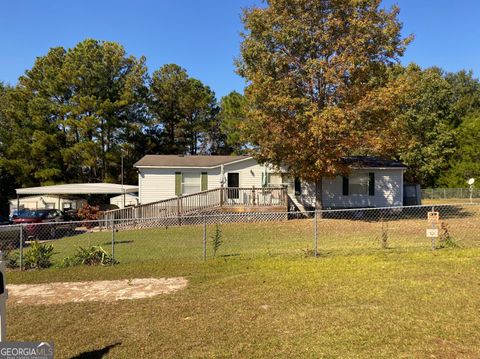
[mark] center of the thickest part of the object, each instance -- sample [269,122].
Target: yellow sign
[433,217]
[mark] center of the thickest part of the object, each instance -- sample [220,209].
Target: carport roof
[80,188]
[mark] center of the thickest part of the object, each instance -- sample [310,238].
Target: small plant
[11,259]
[217,239]
[446,239]
[384,235]
[39,256]
[91,256]
[308,252]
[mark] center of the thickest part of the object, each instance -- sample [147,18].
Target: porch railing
[201,201]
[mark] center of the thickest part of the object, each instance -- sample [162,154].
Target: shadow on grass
[96,354]
[399,214]
[229,255]
[117,242]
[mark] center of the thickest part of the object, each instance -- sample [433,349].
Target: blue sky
[203,35]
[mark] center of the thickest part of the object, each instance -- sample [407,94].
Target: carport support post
[204,238]
[433,227]
[315,242]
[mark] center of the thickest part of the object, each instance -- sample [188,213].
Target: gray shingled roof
[186,161]
[214,161]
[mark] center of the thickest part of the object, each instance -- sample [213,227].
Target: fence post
[179,210]
[315,242]
[433,226]
[113,241]
[21,247]
[204,238]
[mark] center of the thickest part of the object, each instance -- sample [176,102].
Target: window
[49,205]
[359,184]
[274,179]
[191,183]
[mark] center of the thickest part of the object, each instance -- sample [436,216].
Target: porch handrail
[191,203]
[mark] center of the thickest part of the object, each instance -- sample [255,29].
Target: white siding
[250,172]
[213,178]
[129,200]
[388,191]
[40,202]
[156,184]
[159,184]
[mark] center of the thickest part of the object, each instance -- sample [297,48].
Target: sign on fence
[433,217]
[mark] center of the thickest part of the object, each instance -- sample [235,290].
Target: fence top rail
[104,222]
[312,212]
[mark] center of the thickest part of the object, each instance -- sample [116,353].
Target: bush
[89,214]
[446,239]
[39,256]
[11,259]
[91,256]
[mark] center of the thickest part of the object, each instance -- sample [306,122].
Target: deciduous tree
[316,71]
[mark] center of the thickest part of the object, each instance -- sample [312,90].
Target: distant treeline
[74,114]
[77,111]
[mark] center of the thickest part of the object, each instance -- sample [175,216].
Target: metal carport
[76,189]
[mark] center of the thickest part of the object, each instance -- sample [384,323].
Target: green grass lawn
[263,296]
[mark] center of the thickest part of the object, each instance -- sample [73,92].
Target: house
[373,182]
[124,200]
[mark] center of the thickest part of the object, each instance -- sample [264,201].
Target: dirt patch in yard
[105,291]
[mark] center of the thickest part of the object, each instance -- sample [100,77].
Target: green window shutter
[178,183]
[269,180]
[371,184]
[345,186]
[204,181]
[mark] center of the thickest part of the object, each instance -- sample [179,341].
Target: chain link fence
[240,235]
[450,193]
